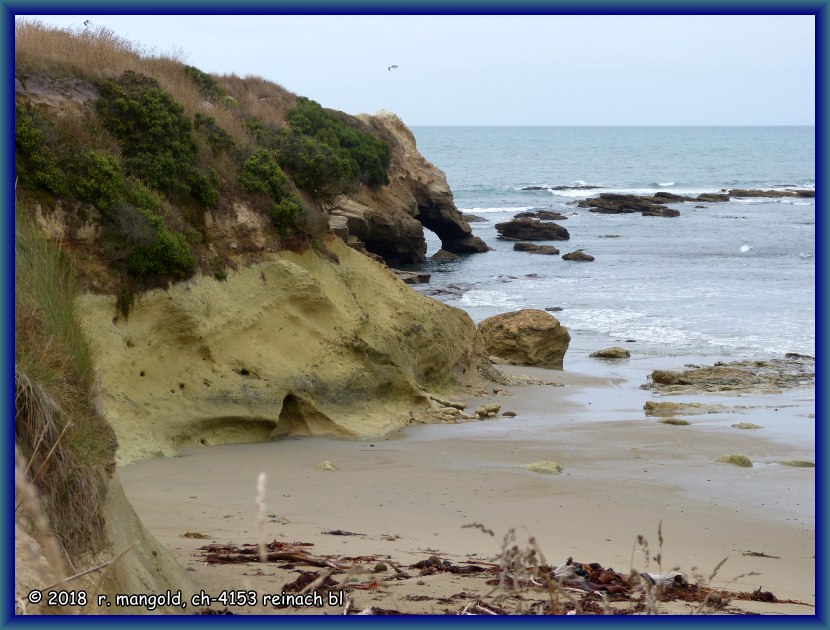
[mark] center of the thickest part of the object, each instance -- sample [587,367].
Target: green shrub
[320,169]
[137,193]
[168,255]
[370,155]
[261,173]
[323,153]
[155,136]
[98,178]
[217,138]
[285,214]
[36,162]
[207,84]
[205,188]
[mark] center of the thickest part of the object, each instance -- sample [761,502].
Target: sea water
[728,280]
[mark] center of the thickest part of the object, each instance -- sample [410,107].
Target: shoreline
[410,494]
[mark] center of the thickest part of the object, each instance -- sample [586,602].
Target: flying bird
[86,22]
[390,67]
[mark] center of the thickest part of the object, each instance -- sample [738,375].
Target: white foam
[666,184]
[752,200]
[745,248]
[624,191]
[480,297]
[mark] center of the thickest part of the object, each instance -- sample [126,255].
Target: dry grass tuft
[69,449]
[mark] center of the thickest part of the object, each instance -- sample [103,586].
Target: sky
[509,70]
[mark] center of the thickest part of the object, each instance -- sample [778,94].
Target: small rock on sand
[673,420]
[747,425]
[798,463]
[546,467]
[735,460]
[326,465]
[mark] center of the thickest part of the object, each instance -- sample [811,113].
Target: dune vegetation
[145,146]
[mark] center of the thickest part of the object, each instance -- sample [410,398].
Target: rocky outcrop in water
[654,205]
[547,250]
[544,215]
[526,337]
[771,376]
[390,219]
[614,203]
[740,192]
[531,230]
[712,197]
[444,255]
[578,256]
[613,352]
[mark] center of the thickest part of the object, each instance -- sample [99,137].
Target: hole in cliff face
[301,417]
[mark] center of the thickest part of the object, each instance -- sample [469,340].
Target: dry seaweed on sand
[519,581]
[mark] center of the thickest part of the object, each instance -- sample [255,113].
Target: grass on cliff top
[69,448]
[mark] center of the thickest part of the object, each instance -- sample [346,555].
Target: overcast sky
[514,70]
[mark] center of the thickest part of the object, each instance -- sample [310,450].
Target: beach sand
[409,495]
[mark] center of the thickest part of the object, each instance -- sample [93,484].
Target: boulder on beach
[735,459]
[531,248]
[746,425]
[526,337]
[680,422]
[613,352]
[578,256]
[798,463]
[527,229]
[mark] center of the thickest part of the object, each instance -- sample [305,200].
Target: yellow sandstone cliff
[295,344]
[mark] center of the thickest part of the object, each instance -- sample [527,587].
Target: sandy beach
[408,496]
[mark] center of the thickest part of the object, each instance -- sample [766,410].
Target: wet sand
[410,495]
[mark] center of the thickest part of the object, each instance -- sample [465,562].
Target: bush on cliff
[36,162]
[323,154]
[368,155]
[261,173]
[154,134]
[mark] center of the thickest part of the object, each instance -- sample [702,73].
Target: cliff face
[294,345]
[390,219]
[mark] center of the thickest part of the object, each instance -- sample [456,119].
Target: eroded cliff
[296,344]
[391,219]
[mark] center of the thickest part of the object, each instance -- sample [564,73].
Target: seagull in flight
[390,67]
[87,22]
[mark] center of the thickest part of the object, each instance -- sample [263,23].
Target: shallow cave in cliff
[301,417]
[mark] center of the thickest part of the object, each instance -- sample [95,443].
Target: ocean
[730,280]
